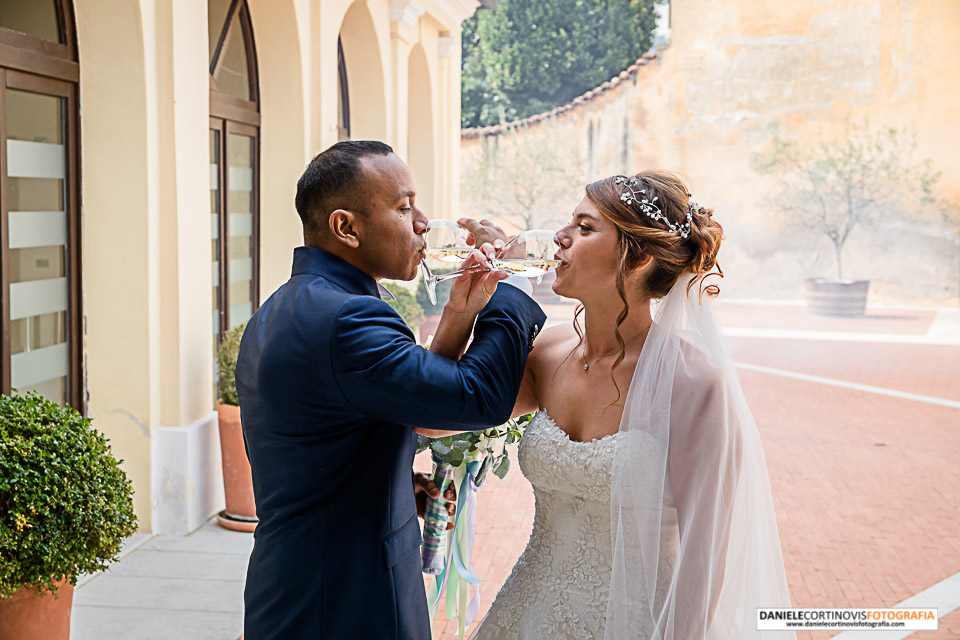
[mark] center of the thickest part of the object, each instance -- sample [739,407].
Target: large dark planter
[241,511]
[27,616]
[838,298]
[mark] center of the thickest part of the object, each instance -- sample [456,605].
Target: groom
[331,385]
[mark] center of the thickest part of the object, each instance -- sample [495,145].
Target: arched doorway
[39,205]
[234,141]
[362,100]
[420,138]
[343,95]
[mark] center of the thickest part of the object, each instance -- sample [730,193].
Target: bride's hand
[485,231]
[469,294]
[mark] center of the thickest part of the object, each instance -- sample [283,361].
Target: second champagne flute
[532,257]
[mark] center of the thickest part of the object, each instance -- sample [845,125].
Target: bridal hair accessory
[632,191]
[693,207]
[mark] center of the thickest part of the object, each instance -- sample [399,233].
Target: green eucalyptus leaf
[440,448]
[423,443]
[483,470]
[503,467]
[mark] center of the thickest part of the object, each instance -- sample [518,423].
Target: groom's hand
[423,486]
[471,293]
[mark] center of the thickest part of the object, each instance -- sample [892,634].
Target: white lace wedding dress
[560,585]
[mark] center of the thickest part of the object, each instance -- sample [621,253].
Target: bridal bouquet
[465,460]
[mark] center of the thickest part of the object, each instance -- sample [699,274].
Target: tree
[479,103]
[527,180]
[529,56]
[836,185]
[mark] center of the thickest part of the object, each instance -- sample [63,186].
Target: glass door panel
[37,243]
[240,247]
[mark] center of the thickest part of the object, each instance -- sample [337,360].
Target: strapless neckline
[553,423]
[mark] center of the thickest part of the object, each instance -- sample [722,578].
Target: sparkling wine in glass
[529,255]
[532,256]
[447,241]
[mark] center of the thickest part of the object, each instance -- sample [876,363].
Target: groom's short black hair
[334,180]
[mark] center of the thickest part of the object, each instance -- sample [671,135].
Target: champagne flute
[537,249]
[447,241]
[531,258]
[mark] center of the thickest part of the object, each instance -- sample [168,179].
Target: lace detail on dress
[560,584]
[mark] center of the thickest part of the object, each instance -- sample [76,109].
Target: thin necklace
[583,353]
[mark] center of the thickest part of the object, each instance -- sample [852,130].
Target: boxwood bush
[66,506]
[406,305]
[227,364]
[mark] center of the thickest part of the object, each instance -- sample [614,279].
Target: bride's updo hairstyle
[641,234]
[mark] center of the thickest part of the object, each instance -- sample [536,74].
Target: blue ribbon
[464,568]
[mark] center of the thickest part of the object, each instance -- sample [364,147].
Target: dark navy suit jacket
[331,384]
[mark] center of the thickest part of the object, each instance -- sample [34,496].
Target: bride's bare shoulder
[553,342]
[557,335]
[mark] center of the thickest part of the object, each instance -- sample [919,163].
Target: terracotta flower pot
[845,298]
[27,616]
[241,511]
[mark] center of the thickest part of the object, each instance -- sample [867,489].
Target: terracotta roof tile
[475,132]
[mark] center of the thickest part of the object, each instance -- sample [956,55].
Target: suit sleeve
[385,375]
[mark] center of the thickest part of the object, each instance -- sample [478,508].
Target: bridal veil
[695,543]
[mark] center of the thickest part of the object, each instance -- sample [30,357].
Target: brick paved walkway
[866,486]
[904,321]
[926,369]
[949,627]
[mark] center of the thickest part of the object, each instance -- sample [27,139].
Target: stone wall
[736,72]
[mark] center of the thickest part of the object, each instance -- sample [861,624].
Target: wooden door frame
[225,128]
[67,91]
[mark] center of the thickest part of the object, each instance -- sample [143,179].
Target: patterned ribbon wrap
[458,578]
[435,521]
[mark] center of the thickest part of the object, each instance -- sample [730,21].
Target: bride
[654,517]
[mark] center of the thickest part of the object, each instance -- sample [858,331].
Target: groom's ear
[343,227]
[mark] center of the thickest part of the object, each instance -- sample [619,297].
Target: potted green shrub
[405,304]
[832,187]
[66,507]
[432,312]
[240,513]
